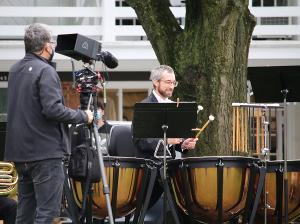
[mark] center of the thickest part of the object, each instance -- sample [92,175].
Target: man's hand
[189,143]
[174,141]
[90,116]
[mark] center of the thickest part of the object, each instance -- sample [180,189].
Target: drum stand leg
[168,200]
[279,194]
[143,202]
[261,171]
[186,187]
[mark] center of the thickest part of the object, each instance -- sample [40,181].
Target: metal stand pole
[265,152]
[102,168]
[94,130]
[167,197]
[165,128]
[285,177]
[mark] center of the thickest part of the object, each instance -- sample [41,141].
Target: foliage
[209,56]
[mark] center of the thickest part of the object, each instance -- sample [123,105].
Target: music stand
[167,120]
[277,84]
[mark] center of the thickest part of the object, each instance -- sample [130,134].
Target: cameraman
[37,130]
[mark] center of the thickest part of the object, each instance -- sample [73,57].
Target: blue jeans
[40,189]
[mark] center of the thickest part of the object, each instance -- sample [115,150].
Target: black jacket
[78,135]
[36,116]
[147,146]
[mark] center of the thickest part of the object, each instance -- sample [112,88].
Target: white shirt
[160,99]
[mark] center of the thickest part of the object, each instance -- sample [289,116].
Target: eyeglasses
[53,43]
[169,82]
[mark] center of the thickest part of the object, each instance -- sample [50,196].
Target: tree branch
[160,26]
[193,13]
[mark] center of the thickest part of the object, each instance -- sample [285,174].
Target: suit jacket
[147,146]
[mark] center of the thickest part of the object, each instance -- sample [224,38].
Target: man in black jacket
[37,129]
[164,82]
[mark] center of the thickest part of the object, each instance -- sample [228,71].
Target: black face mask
[51,56]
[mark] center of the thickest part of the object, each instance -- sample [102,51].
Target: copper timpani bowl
[124,177]
[210,189]
[274,190]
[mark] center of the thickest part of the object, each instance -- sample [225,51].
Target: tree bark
[209,57]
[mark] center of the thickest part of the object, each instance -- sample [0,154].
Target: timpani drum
[126,178]
[211,189]
[274,182]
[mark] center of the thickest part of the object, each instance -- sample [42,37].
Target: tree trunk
[209,57]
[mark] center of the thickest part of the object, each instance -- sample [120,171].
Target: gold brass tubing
[6,165]
[8,178]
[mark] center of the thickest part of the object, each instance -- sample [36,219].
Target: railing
[292,28]
[100,21]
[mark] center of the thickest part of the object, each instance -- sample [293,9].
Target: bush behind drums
[210,189]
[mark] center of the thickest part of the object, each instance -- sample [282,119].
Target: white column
[108,20]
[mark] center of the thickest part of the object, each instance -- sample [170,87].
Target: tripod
[93,130]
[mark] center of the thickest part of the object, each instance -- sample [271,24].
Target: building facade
[275,42]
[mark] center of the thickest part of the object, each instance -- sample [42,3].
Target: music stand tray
[149,118]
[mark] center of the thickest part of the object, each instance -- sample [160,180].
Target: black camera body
[83,48]
[87,50]
[78,47]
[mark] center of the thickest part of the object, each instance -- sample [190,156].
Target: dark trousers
[8,210]
[40,189]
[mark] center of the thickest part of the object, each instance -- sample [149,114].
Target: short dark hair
[100,104]
[36,36]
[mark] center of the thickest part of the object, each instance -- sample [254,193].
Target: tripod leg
[72,207]
[103,176]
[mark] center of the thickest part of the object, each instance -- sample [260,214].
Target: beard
[166,93]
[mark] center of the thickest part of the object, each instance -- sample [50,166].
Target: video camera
[83,48]
[87,50]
